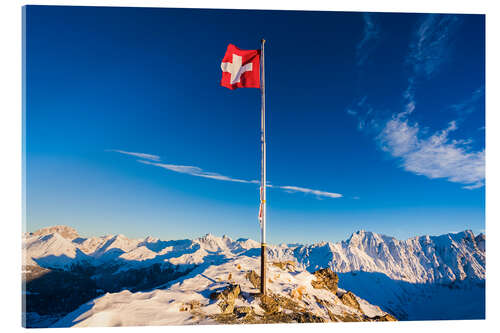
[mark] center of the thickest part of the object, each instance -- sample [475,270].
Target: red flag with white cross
[240,68]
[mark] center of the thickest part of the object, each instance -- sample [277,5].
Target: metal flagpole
[263,259]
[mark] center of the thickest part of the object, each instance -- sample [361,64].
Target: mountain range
[423,277]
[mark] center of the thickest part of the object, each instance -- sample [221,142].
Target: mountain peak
[209,236]
[360,235]
[150,239]
[63,230]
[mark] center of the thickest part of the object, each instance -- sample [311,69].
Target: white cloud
[472,187]
[435,156]
[365,46]
[140,155]
[198,172]
[307,190]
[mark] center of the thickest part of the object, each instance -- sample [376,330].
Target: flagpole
[263,260]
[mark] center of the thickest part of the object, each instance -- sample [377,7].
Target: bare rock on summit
[243,311]
[63,230]
[326,279]
[269,303]
[227,298]
[254,278]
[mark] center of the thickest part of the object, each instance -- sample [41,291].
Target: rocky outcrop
[386,317]
[349,299]
[326,279]
[190,306]
[286,265]
[243,312]
[254,278]
[269,304]
[282,309]
[226,298]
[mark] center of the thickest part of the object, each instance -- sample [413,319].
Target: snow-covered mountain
[395,274]
[422,259]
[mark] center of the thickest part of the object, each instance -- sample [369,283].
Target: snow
[159,307]
[424,259]
[399,276]
[163,306]
[50,250]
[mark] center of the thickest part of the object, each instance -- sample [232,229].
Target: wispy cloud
[470,104]
[198,172]
[308,190]
[435,156]
[139,155]
[429,49]
[154,160]
[472,187]
[431,43]
[370,34]
[367,117]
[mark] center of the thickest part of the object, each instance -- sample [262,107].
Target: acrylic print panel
[144,203]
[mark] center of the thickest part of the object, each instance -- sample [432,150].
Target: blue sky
[374,121]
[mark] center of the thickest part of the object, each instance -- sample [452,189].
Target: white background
[11,162]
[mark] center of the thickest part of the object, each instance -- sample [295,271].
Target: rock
[269,304]
[298,292]
[307,317]
[193,305]
[349,299]
[227,297]
[288,303]
[286,265]
[243,311]
[386,317]
[326,279]
[254,279]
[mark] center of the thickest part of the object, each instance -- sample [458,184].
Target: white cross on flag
[240,68]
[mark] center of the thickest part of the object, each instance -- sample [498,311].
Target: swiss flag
[240,68]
